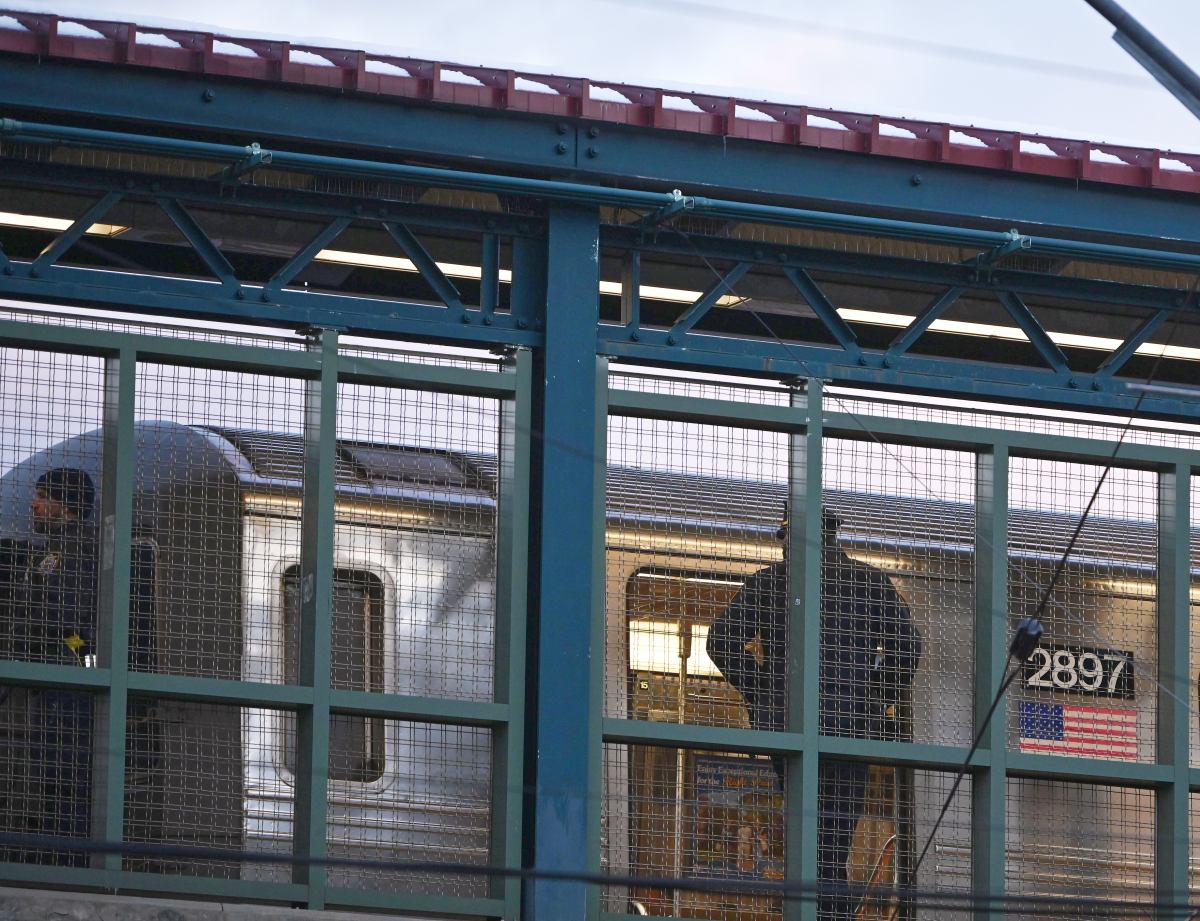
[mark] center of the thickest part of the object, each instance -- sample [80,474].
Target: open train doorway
[712,816]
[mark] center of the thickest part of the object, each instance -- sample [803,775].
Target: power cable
[886,41]
[1042,905]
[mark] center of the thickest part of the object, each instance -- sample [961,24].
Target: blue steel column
[991,656]
[568,508]
[1174,694]
[804,646]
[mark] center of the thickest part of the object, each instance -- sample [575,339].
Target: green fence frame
[322,368]
[806,421]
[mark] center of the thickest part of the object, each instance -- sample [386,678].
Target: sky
[1038,66]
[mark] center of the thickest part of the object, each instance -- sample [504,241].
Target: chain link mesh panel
[1090,842]
[872,825]
[47,758]
[1089,689]
[898,579]
[701,817]
[430,804]
[417,522]
[207,776]
[693,510]
[211,445]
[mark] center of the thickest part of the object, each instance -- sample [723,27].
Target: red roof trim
[411,78]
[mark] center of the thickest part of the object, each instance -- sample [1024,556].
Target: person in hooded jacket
[869,651]
[56,624]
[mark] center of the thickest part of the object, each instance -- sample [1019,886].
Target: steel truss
[547,715]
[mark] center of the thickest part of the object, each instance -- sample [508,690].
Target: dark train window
[356,743]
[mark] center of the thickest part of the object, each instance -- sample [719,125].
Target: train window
[356,743]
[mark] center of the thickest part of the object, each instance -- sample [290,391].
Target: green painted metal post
[316,599]
[569,501]
[1171,852]
[116,518]
[991,652]
[512,565]
[804,645]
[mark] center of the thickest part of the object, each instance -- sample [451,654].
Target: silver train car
[217,536]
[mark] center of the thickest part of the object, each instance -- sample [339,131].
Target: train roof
[637,497]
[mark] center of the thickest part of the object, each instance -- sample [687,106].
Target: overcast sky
[1044,66]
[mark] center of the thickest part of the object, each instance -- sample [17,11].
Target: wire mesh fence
[898,581]
[1074,840]
[429,804]
[695,509]
[1089,688]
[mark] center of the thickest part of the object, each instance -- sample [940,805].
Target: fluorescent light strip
[1012,333]
[37,222]
[474,273]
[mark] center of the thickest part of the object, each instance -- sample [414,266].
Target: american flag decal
[1073,729]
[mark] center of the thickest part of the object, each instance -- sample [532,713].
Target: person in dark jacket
[59,619]
[869,652]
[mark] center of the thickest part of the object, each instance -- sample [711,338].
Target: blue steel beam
[825,311]
[305,255]
[705,302]
[945,376]
[569,503]
[69,237]
[200,241]
[591,194]
[1024,318]
[1114,362]
[516,141]
[908,337]
[324,206]
[427,267]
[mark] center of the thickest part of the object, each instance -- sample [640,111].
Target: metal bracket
[255,157]
[678,204]
[1016,241]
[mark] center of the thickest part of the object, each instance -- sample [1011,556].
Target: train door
[717,815]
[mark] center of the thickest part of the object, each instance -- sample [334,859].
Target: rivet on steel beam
[240,294]
[593,152]
[562,128]
[208,95]
[1072,383]
[633,335]
[464,319]
[593,132]
[560,148]
[487,321]
[522,323]
[670,340]
[266,296]
[34,272]
[887,361]
[916,179]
